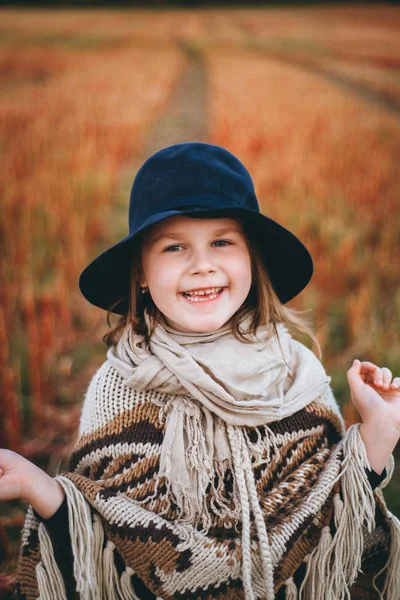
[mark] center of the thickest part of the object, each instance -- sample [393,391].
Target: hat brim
[289,264]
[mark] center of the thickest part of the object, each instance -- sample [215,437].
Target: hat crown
[189,175]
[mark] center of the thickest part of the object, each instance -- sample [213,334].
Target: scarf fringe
[334,564]
[209,500]
[260,447]
[216,497]
[217,494]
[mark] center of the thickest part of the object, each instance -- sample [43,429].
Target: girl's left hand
[374,394]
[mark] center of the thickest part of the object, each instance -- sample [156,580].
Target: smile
[203,295]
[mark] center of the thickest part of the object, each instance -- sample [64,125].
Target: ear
[140,278]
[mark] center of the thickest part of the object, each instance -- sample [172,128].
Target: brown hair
[262,304]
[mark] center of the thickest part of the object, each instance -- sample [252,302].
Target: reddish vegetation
[65,140]
[324,163]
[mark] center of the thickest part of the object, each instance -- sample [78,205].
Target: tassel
[83,539]
[44,583]
[338,508]
[98,538]
[233,433]
[50,581]
[389,473]
[358,511]
[111,587]
[315,581]
[127,591]
[196,469]
[290,589]
[265,549]
[335,563]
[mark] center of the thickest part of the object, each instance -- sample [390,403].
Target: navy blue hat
[203,180]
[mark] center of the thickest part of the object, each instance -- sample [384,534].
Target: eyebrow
[180,234]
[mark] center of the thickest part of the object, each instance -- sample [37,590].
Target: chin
[195,326]
[207,325]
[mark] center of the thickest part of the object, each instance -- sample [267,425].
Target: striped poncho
[330,534]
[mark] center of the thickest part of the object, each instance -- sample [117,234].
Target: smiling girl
[212,459]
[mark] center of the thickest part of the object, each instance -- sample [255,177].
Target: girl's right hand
[21,479]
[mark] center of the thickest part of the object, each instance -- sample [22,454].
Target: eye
[224,242]
[173,248]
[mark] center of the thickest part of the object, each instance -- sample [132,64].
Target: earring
[145,289]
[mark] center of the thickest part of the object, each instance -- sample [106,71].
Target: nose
[201,263]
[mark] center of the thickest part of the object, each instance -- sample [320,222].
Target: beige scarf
[215,380]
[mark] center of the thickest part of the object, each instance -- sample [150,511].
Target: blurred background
[308,97]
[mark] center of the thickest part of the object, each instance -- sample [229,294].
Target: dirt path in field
[184,118]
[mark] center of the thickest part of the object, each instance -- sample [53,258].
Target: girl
[212,460]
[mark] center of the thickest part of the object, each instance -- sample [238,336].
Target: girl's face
[198,271]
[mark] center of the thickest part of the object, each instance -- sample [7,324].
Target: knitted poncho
[292,515]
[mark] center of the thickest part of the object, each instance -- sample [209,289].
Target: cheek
[242,271]
[163,284]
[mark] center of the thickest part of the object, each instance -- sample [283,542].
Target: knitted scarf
[212,390]
[210,468]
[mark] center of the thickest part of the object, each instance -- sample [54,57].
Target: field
[308,99]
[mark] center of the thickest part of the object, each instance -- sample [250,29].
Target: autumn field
[308,99]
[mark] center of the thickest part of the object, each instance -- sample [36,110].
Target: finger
[377,377]
[369,372]
[366,371]
[367,366]
[386,377]
[396,382]
[353,376]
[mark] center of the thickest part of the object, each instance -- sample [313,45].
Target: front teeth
[195,296]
